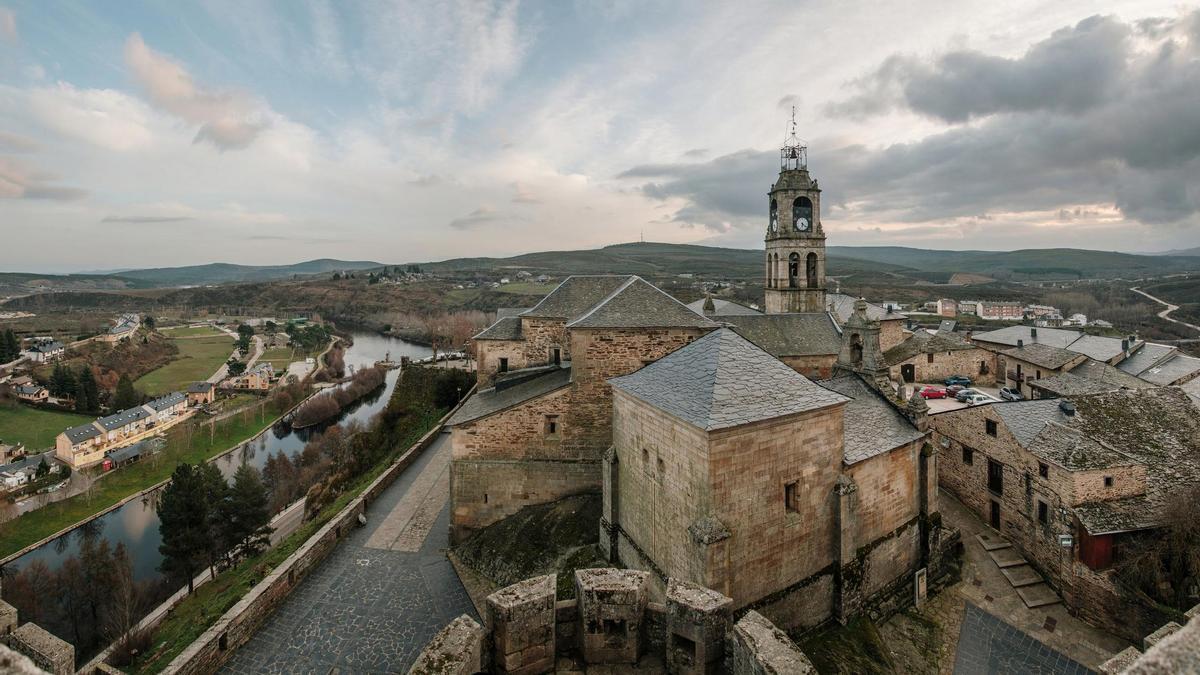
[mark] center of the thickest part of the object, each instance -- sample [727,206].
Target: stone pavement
[371,606]
[988,646]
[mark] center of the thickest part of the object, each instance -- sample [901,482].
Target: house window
[1039,374]
[1108,481]
[995,476]
[551,426]
[1043,470]
[1043,512]
[503,364]
[556,355]
[968,455]
[662,466]
[990,427]
[929,358]
[791,497]
[645,457]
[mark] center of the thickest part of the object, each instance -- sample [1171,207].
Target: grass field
[191,331]
[35,428]
[182,446]
[198,359]
[280,357]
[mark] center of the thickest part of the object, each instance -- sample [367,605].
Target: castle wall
[541,336]
[816,367]
[488,355]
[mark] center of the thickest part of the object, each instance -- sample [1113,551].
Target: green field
[280,357]
[35,428]
[198,359]
[191,331]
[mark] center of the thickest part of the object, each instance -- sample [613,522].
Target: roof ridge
[610,296]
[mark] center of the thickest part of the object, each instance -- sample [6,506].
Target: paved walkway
[988,646]
[375,601]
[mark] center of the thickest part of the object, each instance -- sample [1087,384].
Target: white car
[978,399]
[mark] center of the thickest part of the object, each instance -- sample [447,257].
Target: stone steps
[992,542]
[1038,595]
[1021,575]
[1006,557]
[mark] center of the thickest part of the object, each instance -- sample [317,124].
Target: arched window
[856,348]
[775,272]
[774,226]
[802,213]
[810,270]
[794,270]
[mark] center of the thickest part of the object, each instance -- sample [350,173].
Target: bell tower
[795,273]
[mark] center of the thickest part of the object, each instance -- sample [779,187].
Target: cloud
[484,215]
[104,118]
[145,219]
[8,24]
[229,120]
[524,195]
[1075,69]
[20,181]
[16,143]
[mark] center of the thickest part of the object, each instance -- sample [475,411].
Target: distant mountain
[1194,251]
[223,273]
[920,264]
[26,283]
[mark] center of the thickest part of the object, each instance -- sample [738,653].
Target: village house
[11,451]
[86,444]
[33,393]
[947,307]
[1024,363]
[1074,483]
[1000,311]
[24,470]
[257,378]
[201,393]
[125,327]
[163,408]
[757,453]
[933,357]
[44,350]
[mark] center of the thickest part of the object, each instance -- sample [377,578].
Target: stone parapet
[697,621]
[456,650]
[611,603]
[757,647]
[47,652]
[521,620]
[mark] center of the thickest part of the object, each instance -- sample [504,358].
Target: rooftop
[1042,355]
[164,402]
[576,295]
[923,342]
[1089,377]
[871,426]
[489,401]
[843,307]
[637,303]
[722,380]
[82,432]
[722,308]
[780,335]
[1175,369]
[505,328]
[200,387]
[118,420]
[1095,346]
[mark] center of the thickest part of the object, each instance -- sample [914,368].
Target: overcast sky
[138,134]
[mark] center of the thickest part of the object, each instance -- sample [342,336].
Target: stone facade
[611,626]
[47,652]
[977,364]
[494,356]
[816,367]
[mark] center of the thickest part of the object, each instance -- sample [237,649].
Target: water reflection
[136,523]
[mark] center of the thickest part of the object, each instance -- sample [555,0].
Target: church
[762,455]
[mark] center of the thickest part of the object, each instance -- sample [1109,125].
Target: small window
[662,466]
[1039,374]
[645,456]
[485,498]
[968,455]
[791,497]
[1108,481]
[504,364]
[556,355]
[1043,470]
[990,427]
[929,358]
[551,425]
[1043,512]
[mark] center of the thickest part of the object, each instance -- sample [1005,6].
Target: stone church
[758,454]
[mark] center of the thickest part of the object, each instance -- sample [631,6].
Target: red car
[933,392]
[953,390]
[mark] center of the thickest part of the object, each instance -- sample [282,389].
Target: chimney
[1020,344]
[1125,345]
[1033,333]
[1067,408]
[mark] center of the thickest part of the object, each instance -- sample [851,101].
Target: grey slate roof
[640,304]
[843,308]
[1042,355]
[505,312]
[126,453]
[1089,377]
[1115,515]
[722,380]
[1094,346]
[489,401]
[576,295]
[29,389]
[1026,419]
[722,308]
[164,402]
[871,425]
[1149,355]
[118,420]
[780,335]
[82,432]
[1099,347]
[200,387]
[47,347]
[923,342]
[1070,448]
[1178,367]
[505,328]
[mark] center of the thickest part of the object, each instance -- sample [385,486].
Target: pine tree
[126,396]
[184,524]
[87,394]
[10,346]
[245,529]
[216,494]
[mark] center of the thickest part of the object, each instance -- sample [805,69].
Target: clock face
[802,224]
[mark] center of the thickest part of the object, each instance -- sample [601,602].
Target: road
[386,589]
[1165,314]
[223,371]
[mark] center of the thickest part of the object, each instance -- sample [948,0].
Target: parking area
[937,405]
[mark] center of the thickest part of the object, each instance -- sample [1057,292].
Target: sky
[161,133]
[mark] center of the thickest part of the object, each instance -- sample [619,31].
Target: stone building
[1075,483]
[794,278]
[929,357]
[1025,363]
[46,651]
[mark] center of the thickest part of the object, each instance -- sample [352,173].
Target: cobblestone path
[375,601]
[989,646]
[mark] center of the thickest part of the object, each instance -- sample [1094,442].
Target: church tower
[795,275]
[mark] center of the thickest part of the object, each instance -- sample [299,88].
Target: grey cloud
[54,193]
[20,181]
[137,220]
[15,143]
[1139,151]
[480,216]
[696,153]
[1074,69]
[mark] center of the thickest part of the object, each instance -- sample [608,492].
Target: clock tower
[795,273]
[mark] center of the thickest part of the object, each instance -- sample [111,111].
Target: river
[135,524]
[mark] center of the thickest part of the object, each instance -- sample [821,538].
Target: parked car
[1010,394]
[958,379]
[932,392]
[979,399]
[953,389]
[962,395]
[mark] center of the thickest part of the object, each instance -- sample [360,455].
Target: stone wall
[969,362]
[816,367]
[488,354]
[541,336]
[47,651]
[891,333]
[486,491]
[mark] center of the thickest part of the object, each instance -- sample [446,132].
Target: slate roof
[82,432]
[200,387]
[871,425]
[1089,377]
[1099,347]
[843,308]
[722,380]
[1094,346]
[118,420]
[164,402]
[29,389]
[489,401]
[1172,370]
[780,335]
[923,342]
[506,328]
[505,312]
[47,347]
[723,308]
[126,453]
[1149,355]
[576,295]
[1069,448]
[1042,355]
[1115,515]
[640,304]
[947,326]
[1026,419]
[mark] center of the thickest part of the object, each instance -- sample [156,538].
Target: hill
[24,283]
[223,273]
[1026,264]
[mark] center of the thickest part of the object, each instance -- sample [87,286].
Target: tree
[10,346]
[245,529]
[184,525]
[87,395]
[43,469]
[216,493]
[126,396]
[148,322]
[271,326]
[236,367]
[62,381]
